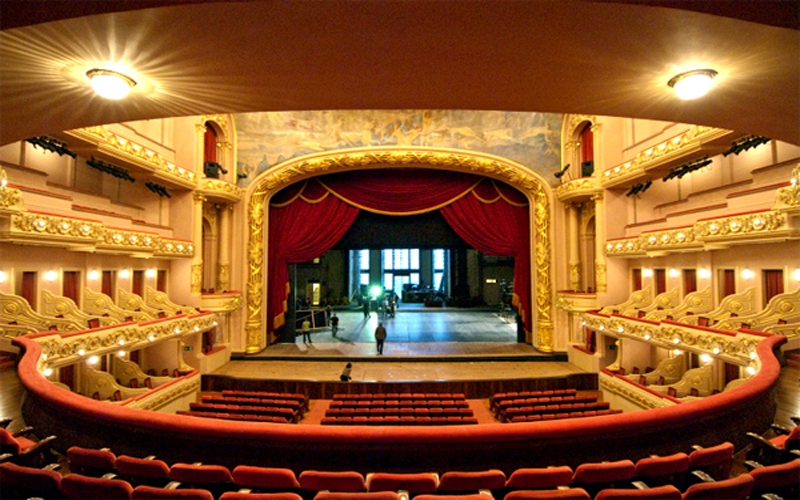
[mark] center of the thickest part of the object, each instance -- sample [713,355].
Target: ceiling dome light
[692,84]
[110,84]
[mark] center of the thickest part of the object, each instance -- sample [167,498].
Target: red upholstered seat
[564,494]
[143,471]
[332,481]
[714,461]
[26,451]
[413,483]
[780,479]
[539,478]
[264,478]
[594,477]
[657,471]
[454,481]
[216,478]
[471,496]
[145,492]
[91,462]
[666,492]
[26,482]
[737,488]
[82,487]
[235,495]
[789,441]
[379,495]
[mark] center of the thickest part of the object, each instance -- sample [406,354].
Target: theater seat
[563,494]
[81,487]
[666,492]
[235,495]
[26,482]
[143,471]
[454,481]
[781,479]
[332,481]
[379,495]
[215,478]
[423,482]
[264,479]
[540,478]
[23,449]
[775,450]
[594,477]
[715,461]
[144,492]
[737,488]
[658,471]
[472,496]
[90,461]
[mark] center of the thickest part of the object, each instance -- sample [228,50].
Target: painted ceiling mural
[267,139]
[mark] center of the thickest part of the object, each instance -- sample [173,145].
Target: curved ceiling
[571,56]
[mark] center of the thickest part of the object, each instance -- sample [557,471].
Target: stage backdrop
[306,219]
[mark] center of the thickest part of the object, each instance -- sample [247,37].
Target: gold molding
[578,189]
[223,276]
[197,278]
[219,190]
[639,397]
[789,196]
[299,168]
[161,396]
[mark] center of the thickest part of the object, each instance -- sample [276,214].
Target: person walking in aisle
[380,336]
[306,331]
[334,324]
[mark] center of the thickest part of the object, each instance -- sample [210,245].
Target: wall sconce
[673,273]
[121,354]
[647,272]
[94,275]
[47,372]
[795,275]
[2,277]
[50,275]
[150,273]
[705,358]
[124,274]
[747,273]
[93,360]
[751,370]
[677,352]
[704,274]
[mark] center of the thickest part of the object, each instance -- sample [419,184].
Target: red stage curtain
[210,144]
[307,219]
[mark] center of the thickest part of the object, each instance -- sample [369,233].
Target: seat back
[376,495]
[715,461]
[780,479]
[235,495]
[81,487]
[264,478]
[8,443]
[144,492]
[332,481]
[657,471]
[540,478]
[26,482]
[737,488]
[423,482]
[143,471]
[454,481]
[90,461]
[562,494]
[594,477]
[666,492]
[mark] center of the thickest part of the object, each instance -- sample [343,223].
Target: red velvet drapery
[587,144]
[210,144]
[307,219]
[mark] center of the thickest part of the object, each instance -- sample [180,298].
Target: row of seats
[275,419]
[502,396]
[293,404]
[503,406]
[399,411]
[275,411]
[541,409]
[399,395]
[413,403]
[270,395]
[652,477]
[561,416]
[399,420]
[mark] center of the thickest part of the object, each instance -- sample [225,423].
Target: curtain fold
[306,219]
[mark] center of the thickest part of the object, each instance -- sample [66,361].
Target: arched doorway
[305,167]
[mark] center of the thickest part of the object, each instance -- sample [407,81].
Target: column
[223,257]
[600,243]
[573,241]
[197,240]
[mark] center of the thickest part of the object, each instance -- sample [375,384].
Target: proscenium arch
[526,181]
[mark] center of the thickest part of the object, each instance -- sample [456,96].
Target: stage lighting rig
[751,141]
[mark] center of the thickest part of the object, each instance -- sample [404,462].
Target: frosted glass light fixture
[110,84]
[692,84]
[747,273]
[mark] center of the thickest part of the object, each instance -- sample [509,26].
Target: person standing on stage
[345,376]
[334,324]
[306,331]
[380,336]
[366,307]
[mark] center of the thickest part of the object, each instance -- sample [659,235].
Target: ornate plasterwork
[57,305]
[583,188]
[632,393]
[162,396]
[223,276]
[789,197]
[98,304]
[734,229]
[135,154]
[600,276]
[50,225]
[222,302]
[197,278]
[638,299]
[783,306]
[220,121]
[387,157]
[10,198]
[159,301]
[16,308]
[219,190]
[683,144]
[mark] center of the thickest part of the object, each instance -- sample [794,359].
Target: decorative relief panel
[577,189]
[10,198]
[218,190]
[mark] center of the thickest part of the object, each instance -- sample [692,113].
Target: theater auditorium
[578,223]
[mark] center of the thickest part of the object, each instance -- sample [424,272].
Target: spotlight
[561,172]
[692,84]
